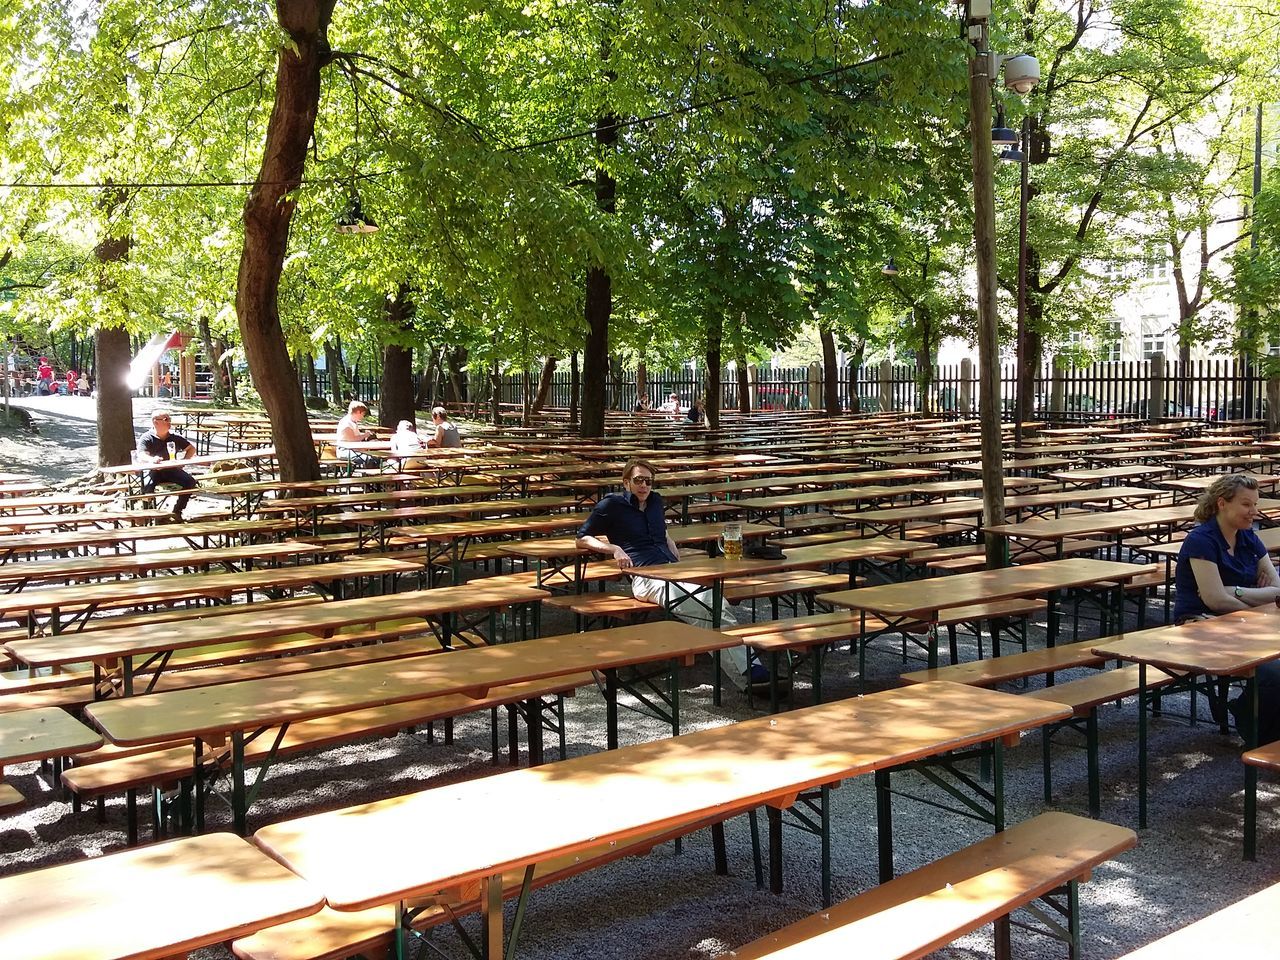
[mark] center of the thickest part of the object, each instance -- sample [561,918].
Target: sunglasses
[647,481]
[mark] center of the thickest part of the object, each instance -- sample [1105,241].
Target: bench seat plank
[1033,663]
[921,911]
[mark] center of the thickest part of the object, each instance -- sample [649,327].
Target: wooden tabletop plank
[1227,645]
[248,704]
[143,638]
[40,733]
[619,794]
[710,569]
[924,597]
[197,585]
[123,563]
[1101,521]
[151,902]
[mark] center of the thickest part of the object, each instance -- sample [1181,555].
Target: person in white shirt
[405,442]
[672,405]
[348,431]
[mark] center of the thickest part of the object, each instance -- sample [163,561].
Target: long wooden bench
[798,637]
[783,583]
[912,915]
[336,935]
[1015,610]
[159,769]
[1016,666]
[1084,696]
[590,607]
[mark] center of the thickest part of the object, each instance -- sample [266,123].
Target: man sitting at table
[635,523]
[153,447]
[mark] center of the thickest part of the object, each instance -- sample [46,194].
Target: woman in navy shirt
[1223,567]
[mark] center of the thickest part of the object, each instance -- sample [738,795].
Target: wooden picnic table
[81,539]
[85,599]
[925,600]
[553,555]
[21,523]
[610,797]
[160,901]
[1115,523]
[52,503]
[1115,475]
[1231,645]
[18,575]
[159,640]
[231,710]
[780,504]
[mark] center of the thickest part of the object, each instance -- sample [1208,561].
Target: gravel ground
[669,905]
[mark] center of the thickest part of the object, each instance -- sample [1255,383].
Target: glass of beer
[172,448]
[731,541]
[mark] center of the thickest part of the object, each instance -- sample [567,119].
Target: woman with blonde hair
[1223,567]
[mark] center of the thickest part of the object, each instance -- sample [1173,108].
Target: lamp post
[1020,372]
[984,241]
[1022,73]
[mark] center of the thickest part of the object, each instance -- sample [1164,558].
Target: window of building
[1155,268]
[1111,341]
[1273,348]
[1153,343]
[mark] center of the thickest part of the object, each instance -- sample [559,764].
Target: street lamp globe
[1021,73]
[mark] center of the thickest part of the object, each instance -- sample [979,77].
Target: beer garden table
[378,853]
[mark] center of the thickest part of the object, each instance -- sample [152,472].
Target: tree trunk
[268,213]
[395,389]
[422,400]
[544,384]
[744,382]
[313,384]
[715,335]
[599,291]
[217,387]
[495,395]
[115,399]
[333,365]
[457,386]
[1033,341]
[642,380]
[830,373]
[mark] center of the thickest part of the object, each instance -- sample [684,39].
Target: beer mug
[731,541]
[172,448]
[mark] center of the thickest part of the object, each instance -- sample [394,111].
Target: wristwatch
[1239,595]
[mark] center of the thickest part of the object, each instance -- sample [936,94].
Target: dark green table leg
[1142,746]
[884,825]
[1251,772]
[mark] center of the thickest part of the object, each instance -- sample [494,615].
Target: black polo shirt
[150,443]
[642,533]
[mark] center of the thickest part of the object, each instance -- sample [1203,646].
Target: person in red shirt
[71,382]
[44,377]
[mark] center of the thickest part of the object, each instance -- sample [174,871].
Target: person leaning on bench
[154,446]
[635,522]
[1223,566]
